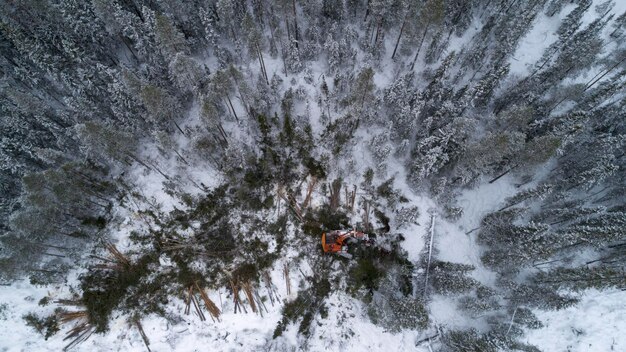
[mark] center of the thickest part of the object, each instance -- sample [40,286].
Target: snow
[443,310]
[539,38]
[347,328]
[597,323]
[543,34]
[229,334]
[480,201]
[16,301]
[413,242]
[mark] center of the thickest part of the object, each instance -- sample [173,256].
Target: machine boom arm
[336,241]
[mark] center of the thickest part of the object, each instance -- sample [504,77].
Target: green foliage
[210,207]
[290,312]
[384,220]
[98,222]
[397,313]
[535,296]
[365,274]
[287,134]
[368,177]
[484,300]
[44,301]
[168,36]
[433,11]
[363,87]
[385,190]
[314,167]
[186,275]
[324,219]
[287,101]
[527,318]
[278,229]
[515,118]
[106,290]
[389,193]
[467,341]
[338,133]
[308,303]
[539,150]
[246,272]
[55,273]
[264,127]
[47,326]
[65,206]
[187,199]
[159,102]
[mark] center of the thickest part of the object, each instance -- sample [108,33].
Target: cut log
[430,252]
[287,281]
[309,191]
[143,335]
[248,290]
[208,303]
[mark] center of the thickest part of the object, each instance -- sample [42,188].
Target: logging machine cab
[336,241]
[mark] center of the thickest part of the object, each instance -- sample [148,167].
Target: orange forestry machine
[336,241]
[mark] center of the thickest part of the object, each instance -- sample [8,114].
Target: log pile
[191,300]
[209,305]
[247,289]
[252,296]
[271,289]
[236,299]
[81,330]
[115,261]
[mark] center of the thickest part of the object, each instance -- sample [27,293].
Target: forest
[167,169]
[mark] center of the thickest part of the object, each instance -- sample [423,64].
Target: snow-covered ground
[597,323]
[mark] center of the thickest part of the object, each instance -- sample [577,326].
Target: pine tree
[450,278]
[597,231]
[169,38]
[582,278]
[537,193]
[186,73]
[363,89]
